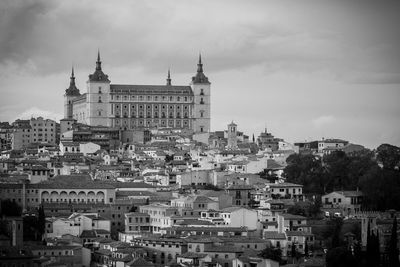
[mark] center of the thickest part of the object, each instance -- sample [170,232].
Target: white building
[127,106]
[240,217]
[79,222]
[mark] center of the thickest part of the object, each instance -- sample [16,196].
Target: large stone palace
[128,107]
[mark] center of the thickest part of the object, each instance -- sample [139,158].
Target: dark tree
[272,254]
[373,254]
[41,221]
[306,249]
[10,208]
[338,223]
[340,257]
[388,155]
[393,250]
[297,210]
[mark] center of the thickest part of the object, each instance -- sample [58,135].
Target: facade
[349,202]
[77,223]
[35,130]
[130,107]
[282,190]
[232,136]
[266,141]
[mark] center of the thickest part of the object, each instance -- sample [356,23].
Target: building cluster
[133,176]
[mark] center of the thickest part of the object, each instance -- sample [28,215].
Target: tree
[393,250]
[338,223]
[388,155]
[271,253]
[306,249]
[41,226]
[10,208]
[340,257]
[297,210]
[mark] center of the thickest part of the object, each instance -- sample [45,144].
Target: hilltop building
[127,106]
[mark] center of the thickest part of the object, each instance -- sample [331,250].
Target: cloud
[323,121]
[35,112]
[48,36]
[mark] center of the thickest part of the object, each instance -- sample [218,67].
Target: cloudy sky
[307,68]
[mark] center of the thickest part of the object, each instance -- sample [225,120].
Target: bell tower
[232,136]
[202,99]
[71,93]
[98,94]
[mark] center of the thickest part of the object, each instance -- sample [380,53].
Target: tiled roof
[151,89]
[192,255]
[284,185]
[225,248]
[274,235]
[71,182]
[298,233]
[288,216]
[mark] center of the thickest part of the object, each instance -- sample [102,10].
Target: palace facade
[140,106]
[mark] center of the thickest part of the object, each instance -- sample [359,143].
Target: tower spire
[98,62]
[72,81]
[200,65]
[169,77]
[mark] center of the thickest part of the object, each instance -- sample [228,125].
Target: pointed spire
[72,90]
[72,81]
[169,77]
[200,77]
[200,65]
[98,63]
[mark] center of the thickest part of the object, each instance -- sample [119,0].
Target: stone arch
[82,196]
[54,196]
[73,196]
[91,196]
[63,196]
[45,196]
[100,197]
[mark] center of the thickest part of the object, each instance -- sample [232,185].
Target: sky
[305,69]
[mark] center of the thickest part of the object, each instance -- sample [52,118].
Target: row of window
[39,130]
[153,98]
[133,123]
[156,115]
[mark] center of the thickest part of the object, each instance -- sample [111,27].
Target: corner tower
[98,97]
[232,136]
[201,104]
[71,93]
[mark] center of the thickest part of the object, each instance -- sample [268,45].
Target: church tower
[232,136]
[98,94]
[71,93]
[201,92]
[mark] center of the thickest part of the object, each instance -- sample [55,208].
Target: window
[99,99]
[99,92]
[201,91]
